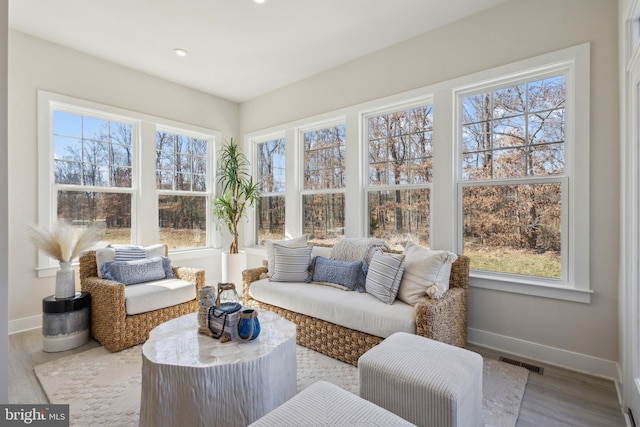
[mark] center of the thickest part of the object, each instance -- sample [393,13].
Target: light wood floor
[559,397]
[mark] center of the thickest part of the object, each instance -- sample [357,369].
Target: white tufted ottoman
[326,404]
[423,381]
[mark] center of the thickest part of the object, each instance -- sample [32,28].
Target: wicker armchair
[444,319]
[110,324]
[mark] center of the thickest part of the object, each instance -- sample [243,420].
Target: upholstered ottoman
[326,404]
[423,381]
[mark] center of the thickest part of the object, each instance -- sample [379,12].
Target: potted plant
[238,193]
[64,244]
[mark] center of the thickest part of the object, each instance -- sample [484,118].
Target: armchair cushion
[150,296]
[132,272]
[108,254]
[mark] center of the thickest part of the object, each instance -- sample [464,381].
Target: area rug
[103,389]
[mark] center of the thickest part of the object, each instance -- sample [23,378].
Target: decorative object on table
[221,318]
[247,324]
[65,322]
[64,244]
[227,295]
[239,192]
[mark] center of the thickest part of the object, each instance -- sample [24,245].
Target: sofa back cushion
[384,276]
[357,249]
[298,242]
[426,273]
[291,264]
[352,275]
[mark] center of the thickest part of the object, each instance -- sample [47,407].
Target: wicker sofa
[110,323]
[442,319]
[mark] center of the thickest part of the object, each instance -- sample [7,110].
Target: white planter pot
[232,266]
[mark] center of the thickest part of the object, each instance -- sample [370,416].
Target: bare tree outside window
[181,178]
[400,173]
[271,174]
[91,156]
[324,182]
[514,133]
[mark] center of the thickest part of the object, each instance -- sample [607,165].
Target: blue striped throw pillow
[384,276]
[291,264]
[129,252]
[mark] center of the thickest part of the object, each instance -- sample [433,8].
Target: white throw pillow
[298,242]
[104,255]
[426,273]
[384,276]
[291,264]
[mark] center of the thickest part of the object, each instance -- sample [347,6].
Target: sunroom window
[92,160]
[400,162]
[323,197]
[271,174]
[514,177]
[181,180]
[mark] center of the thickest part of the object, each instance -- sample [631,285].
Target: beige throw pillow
[298,242]
[426,273]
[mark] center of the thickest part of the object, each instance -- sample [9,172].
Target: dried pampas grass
[64,243]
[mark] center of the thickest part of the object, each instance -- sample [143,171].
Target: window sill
[180,255]
[255,250]
[51,271]
[530,287]
[188,254]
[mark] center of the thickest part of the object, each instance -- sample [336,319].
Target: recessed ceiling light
[259,1]
[180,52]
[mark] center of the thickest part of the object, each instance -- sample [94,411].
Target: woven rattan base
[327,338]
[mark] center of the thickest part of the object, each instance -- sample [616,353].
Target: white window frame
[368,188]
[144,202]
[445,206]
[573,63]
[252,224]
[210,239]
[304,192]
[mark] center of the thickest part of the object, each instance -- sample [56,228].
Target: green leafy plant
[239,191]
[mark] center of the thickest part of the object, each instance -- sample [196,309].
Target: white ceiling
[237,49]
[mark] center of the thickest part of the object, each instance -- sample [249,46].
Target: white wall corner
[579,362]
[25,324]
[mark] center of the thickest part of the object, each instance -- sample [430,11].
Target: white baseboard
[25,324]
[551,355]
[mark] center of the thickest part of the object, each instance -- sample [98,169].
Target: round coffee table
[189,379]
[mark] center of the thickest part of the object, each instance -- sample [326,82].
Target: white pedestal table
[189,379]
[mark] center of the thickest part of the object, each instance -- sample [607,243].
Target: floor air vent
[529,367]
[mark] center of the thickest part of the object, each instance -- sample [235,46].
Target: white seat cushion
[358,311]
[157,294]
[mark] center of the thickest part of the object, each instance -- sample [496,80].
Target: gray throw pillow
[351,274]
[291,264]
[384,276]
[138,271]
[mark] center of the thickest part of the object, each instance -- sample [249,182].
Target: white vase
[232,266]
[65,281]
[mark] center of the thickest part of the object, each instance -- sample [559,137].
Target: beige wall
[4,161]
[510,32]
[35,64]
